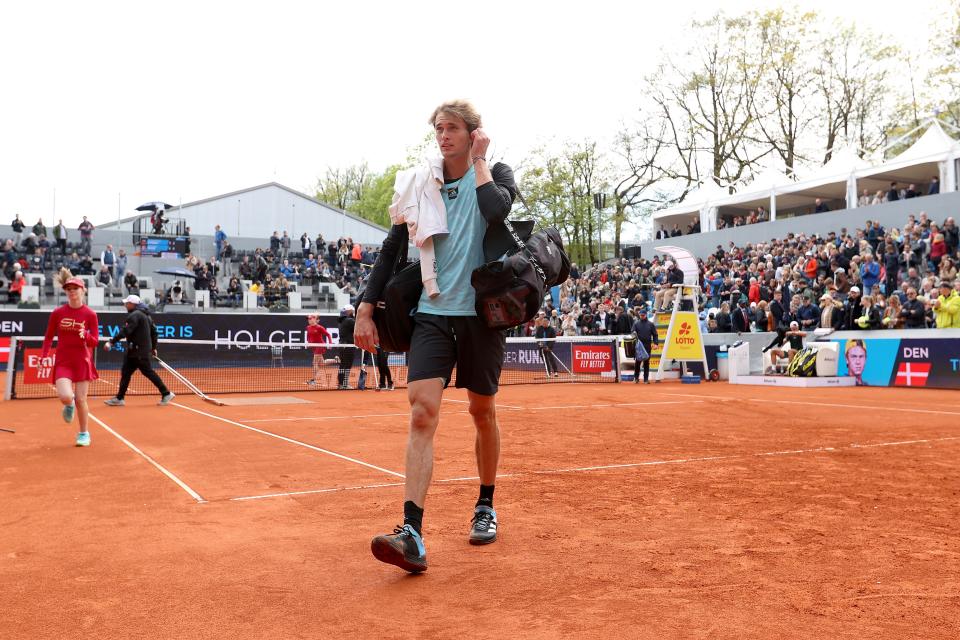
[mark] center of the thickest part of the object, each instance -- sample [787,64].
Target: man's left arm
[496,187]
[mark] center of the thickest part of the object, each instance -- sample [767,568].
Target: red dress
[74,358]
[318,334]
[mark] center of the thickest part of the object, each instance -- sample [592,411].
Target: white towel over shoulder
[418,204]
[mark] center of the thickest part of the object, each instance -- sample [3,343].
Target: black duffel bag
[393,313]
[510,290]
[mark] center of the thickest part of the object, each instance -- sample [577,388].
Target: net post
[11,368]
[616,359]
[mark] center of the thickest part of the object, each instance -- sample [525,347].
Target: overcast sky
[107,105]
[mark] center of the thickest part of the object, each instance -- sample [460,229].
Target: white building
[259,211]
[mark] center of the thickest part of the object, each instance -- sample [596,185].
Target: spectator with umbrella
[156,218]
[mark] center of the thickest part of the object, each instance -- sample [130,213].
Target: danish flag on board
[4,349]
[912,374]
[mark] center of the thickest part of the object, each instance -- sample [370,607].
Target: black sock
[486,495]
[413,515]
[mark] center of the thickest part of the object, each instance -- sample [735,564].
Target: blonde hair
[62,276]
[463,109]
[850,344]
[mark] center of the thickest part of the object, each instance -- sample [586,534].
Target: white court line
[368,415]
[902,442]
[859,406]
[701,396]
[304,493]
[193,494]
[818,403]
[290,440]
[648,463]
[628,465]
[501,406]
[600,406]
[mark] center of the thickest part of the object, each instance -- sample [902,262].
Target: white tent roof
[841,166]
[767,180]
[710,191]
[933,146]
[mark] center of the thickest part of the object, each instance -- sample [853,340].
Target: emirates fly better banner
[36,368]
[592,358]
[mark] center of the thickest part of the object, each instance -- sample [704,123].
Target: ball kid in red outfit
[77,330]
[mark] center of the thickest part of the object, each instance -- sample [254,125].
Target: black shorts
[441,342]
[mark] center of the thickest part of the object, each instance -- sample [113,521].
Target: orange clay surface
[660,511]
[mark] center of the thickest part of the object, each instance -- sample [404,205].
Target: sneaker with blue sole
[83,439]
[67,413]
[483,527]
[404,549]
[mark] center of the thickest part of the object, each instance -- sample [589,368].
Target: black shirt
[646,332]
[139,332]
[345,326]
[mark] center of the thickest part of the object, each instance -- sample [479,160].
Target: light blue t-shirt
[458,253]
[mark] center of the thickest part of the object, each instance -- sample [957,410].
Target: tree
[634,192]
[701,110]
[717,93]
[851,89]
[943,80]
[787,81]
[558,189]
[341,187]
[375,203]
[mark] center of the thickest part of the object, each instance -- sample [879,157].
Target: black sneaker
[483,528]
[404,549]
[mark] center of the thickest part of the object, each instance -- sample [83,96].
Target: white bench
[201,299]
[95,295]
[294,300]
[30,293]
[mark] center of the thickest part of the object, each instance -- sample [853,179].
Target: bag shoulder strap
[526,251]
[522,245]
[402,253]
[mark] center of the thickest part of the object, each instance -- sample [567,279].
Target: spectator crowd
[271,270]
[274,270]
[870,278]
[39,250]
[864,279]
[760,214]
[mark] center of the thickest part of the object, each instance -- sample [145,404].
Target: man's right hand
[365,330]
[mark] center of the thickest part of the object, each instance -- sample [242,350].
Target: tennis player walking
[77,329]
[447,331]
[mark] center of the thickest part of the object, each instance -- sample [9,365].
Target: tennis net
[229,367]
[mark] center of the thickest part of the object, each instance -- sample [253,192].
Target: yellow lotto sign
[684,341]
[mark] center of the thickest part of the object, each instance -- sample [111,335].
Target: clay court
[655,511]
